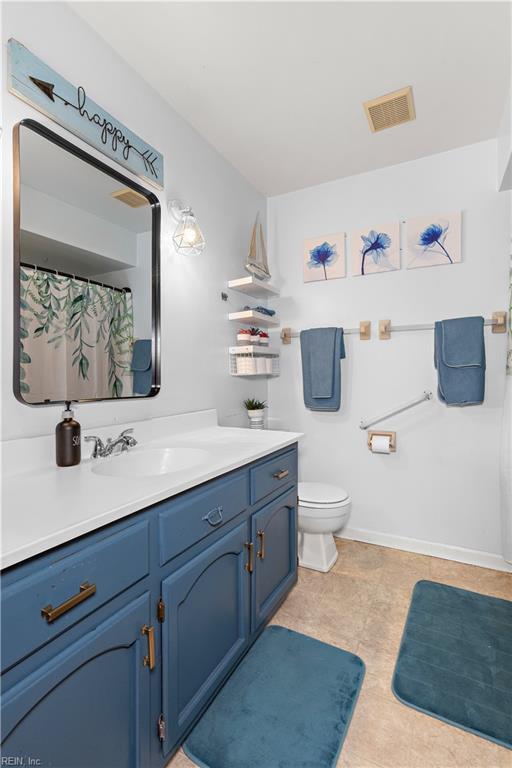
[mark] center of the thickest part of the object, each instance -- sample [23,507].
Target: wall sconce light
[187,237]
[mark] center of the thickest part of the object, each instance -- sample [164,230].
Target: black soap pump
[67,439]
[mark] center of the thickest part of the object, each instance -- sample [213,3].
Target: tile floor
[361,605]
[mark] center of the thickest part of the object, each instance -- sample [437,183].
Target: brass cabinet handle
[249,564]
[282,473]
[149,660]
[50,613]
[261,551]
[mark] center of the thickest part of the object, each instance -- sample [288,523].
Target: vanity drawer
[191,517]
[107,567]
[273,475]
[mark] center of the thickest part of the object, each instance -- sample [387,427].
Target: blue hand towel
[262,310]
[459,356]
[141,367]
[321,350]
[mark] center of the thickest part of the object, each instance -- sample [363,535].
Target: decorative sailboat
[257,263]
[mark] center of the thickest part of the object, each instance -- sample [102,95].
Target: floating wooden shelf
[251,317]
[254,349]
[251,286]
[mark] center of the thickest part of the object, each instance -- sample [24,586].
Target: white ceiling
[277,87]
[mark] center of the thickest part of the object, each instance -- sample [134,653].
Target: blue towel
[141,367]
[322,349]
[459,356]
[262,310]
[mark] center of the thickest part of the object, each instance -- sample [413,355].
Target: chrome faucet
[118,445]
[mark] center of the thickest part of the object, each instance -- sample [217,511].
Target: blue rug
[455,660]
[288,705]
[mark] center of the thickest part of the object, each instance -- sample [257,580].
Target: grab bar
[425,396]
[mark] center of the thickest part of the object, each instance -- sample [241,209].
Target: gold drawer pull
[149,660]
[249,564]
[282,473]
[50,613]
[261,551]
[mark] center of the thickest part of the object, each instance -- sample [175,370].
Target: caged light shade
[187,237]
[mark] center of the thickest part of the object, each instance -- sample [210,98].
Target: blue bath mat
[288,705]
[455,660]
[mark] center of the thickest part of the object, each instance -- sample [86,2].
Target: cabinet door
[89,705]
[274,533]
[205,630]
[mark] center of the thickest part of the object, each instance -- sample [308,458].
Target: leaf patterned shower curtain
[76,338]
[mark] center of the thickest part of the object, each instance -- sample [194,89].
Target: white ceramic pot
[256,419]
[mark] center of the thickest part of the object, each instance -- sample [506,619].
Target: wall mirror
[86,275]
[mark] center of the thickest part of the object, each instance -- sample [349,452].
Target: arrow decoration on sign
[108,129]
[46,88]
[43,88]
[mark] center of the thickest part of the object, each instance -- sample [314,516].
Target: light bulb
[187,236]
[190,235]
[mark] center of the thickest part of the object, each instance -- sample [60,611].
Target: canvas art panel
[375,249]
[434,240]
[324,257]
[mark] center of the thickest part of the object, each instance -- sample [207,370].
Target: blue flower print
[323,255]
[434,235]
[376,243]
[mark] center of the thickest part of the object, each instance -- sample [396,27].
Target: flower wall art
[324,257]
[434,240]
[376,249]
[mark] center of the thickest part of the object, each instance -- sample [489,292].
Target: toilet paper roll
[380,444]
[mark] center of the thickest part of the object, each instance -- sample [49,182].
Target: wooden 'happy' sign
[39,85]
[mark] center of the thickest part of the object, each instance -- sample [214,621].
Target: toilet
[323,510]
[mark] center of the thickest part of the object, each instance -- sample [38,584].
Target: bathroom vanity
[114,642]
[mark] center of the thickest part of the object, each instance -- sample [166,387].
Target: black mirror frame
[46,133]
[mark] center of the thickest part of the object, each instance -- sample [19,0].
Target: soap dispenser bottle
[67,440]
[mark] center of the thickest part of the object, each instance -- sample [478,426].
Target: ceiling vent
[130,197]
[389,110]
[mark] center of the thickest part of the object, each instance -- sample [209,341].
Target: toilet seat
[321,495]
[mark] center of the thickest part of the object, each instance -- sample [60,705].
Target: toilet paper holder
[375,433]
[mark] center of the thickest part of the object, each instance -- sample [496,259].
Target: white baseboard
[445,551]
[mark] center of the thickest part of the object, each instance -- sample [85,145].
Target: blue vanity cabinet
[204,570]
[88,705]
[206,628]
[274,533]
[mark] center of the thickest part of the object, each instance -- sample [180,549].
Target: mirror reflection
[86,283]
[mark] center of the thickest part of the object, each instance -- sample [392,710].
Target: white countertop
[44,505]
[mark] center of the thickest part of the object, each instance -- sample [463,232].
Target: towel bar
[364,331]
[425,396]
[498,323]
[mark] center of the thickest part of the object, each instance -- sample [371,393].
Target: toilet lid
[321,493]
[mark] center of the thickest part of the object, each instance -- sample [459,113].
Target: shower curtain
[76,338]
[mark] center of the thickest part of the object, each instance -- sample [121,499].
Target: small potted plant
[255,411]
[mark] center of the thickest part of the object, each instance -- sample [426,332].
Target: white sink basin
[150,462]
